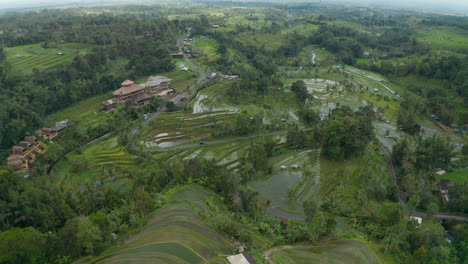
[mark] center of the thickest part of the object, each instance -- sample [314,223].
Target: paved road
[180,100]
[137,128]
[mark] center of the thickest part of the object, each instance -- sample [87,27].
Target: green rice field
[102,162]
[335,252]
[460,176]
[173,234]
[23,59]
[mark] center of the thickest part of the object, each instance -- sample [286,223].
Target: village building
[444,186]
[25,144]
[177,55]
[141,99]
[18,150]
[196,53]
[108,105]
[31,139]
[167,94]
[157,83]
[127,91]
[52,132]
[17,163]
[243,258]
[417,220]
[25,153]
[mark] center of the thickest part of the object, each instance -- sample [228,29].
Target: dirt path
[268,253]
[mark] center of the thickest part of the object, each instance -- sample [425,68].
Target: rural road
[443,216]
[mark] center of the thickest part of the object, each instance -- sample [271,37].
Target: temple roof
[128,89]
[127,82]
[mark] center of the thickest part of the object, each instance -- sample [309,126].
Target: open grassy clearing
[305,30]
[267,41]
[334,252]
[87,112]
[103,162]
[445,37]
[256,20]
[173,234]
[23,59]
[460,176]
[209,47]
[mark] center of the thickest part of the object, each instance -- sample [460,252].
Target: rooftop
[127,82]
[128,89]
[141,97]
[241,259]
[59,126]
[156,80]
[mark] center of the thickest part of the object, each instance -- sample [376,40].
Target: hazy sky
[443,5]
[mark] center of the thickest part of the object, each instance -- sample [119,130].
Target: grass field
[446,38]
[23,59]
[103,162]
[173,234]
[87,112]
[209,47]
[460,176]
[335,252]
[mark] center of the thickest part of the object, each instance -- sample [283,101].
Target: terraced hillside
[23,59]
[174,234]
[174,129]
[100,163]
[336,252]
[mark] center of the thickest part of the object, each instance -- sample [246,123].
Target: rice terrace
[23,59]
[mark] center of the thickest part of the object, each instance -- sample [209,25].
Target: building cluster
[52,132]
[24,153]
[141,94]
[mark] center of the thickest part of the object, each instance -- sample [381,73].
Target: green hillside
[336,252]
[173,234]
[23,59]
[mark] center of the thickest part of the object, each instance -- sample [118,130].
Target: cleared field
[209,47]
[445,37]
[102,162]
[23,59]
[460,176]
[173,234]
[87,112]
[335,252]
